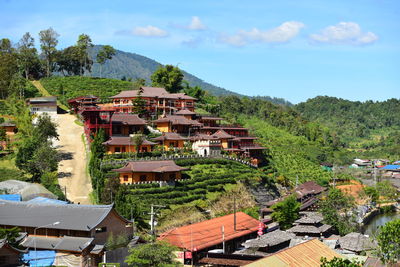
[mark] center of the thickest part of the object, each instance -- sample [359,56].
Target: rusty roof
[209,233]
[307,254]
[127,119]
[309,187]
[223,135]
[184,112]
[159,166]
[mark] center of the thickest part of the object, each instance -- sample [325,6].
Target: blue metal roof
[40,257]
[11,197]
[391,167]
[47,200]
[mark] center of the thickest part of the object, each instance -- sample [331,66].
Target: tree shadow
[66,155]
[64,174]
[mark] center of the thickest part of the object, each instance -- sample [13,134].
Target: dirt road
[72,167]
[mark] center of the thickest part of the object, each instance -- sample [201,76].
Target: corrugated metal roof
[307,254]
[71,216]
[209,233]
[391,167]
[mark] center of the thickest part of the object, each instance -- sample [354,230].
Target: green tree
[339,262]
[46,128]
[336,210]
[139,104]
[387,190]
[11,235]
[372,193]
[168,77]
[286,212]
[138,83]
[137,140]
[195,92]
[152,255]
[48,43]
[105,53]
[69,61]
[83,44]
[27,54]
[8,66]
[389,242]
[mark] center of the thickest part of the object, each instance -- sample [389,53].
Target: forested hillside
[372,126]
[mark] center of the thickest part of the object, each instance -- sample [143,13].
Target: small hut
[270,242]
[356,242]
[310,224]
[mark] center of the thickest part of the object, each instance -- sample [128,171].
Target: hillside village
[148,134]
[156,171]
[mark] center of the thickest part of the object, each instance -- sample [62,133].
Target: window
[161,102]
[101,229]
[125,178]
[143,178]
[117,149]
[123,149]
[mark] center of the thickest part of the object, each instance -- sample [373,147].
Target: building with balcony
[123,144]
[157,101]
[170,141]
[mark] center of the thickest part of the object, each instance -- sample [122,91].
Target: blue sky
[290,49]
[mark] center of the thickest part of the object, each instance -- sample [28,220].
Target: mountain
[131,65]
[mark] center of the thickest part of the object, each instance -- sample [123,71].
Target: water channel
[380,220]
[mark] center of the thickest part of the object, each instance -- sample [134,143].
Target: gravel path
[72,167]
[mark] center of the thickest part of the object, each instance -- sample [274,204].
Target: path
[72,167]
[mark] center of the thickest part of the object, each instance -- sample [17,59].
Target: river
[379,220]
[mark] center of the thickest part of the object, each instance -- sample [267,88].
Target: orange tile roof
[307,254]
[208,233]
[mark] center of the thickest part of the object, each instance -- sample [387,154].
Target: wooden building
[9,256]
[270,242]
[310,224]
[170,141]
[177,124]
[82,102]
[10,129]
[219,233]
[122,144]
[127,123]
[190,115]
[157,100]
[55,220]
[307,254]
[146,171]
[94,119]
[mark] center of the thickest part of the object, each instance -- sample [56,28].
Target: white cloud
[281,34]
[149,31]
[196,24]
[344,33]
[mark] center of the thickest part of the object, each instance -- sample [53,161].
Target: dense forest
[372,127]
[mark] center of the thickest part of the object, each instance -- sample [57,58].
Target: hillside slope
[359,124]
[131,65]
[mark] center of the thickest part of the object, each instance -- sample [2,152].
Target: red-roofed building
[157,99]
[217,233]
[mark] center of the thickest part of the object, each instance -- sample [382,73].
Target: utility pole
[152,218]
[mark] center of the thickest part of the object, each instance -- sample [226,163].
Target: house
[356,243]
[307,254]
[206,145]
[41,105]
[270,242]
[190,115]
[82,102]
[122,144]
[157,100]
[308,195]
[209,120]
[9,256]
[54,220]
[310,224]
[145,171]
[170,141]
[10,129]
[226,233]
[64,251]
[177,124]
[126,124]
[224,137]
[96,118]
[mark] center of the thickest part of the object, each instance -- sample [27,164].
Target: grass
[8,170]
